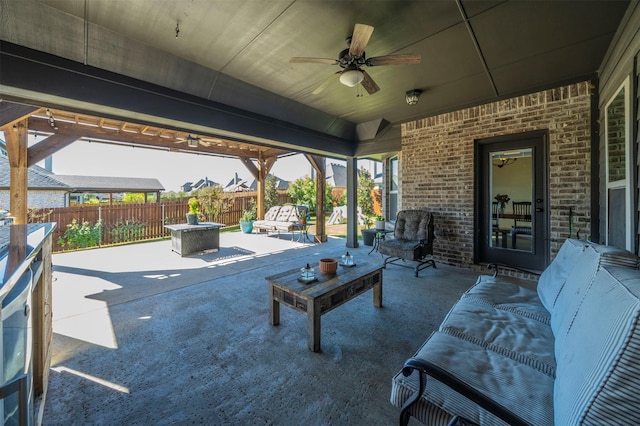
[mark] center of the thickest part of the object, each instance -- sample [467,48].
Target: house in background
[236,184]
[200,184]
[48,190]
[281,184]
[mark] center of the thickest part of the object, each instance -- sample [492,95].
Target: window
[618,169]
[393,188]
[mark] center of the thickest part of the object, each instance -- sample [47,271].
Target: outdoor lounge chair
[412,240]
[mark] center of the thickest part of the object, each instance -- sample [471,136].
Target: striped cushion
[598,370]
[272,213]
[503,332]
[287,214]
[552,280]
[506,296]
[519,386]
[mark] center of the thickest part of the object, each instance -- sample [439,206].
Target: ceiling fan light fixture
[351,77]
[413,96]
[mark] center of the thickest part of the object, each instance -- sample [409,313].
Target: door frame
[539,257]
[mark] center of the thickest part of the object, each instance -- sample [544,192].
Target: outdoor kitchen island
[188,239]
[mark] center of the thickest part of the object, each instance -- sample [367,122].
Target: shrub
[127,230]
[81,236]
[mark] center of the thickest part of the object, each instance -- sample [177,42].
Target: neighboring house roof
[37,177]
[110,183]
[236,184]
[280,184]
[201,183]
[41,179]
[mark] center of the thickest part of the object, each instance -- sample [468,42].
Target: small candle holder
[347,259]
[307,273]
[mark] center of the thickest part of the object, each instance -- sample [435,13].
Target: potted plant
[368,234]
[380,222]
[194,209]
[248,216]
[503,200]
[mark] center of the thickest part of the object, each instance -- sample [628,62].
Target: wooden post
[319,166]
[16,138]
[260,173]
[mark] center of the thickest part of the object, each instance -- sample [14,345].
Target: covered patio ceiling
[222,68]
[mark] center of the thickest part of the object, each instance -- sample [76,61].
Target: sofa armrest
[426,368]
[491,266]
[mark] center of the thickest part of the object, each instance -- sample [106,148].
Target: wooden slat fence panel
[128,222]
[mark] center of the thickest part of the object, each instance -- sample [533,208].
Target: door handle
[539,209]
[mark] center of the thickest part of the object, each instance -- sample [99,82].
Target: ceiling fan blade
[359,39]
[403,59]
[326,83]
[298,60]
[369,85]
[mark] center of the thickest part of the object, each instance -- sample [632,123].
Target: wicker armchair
[412,240]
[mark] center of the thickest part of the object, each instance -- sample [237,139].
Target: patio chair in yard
[412,240]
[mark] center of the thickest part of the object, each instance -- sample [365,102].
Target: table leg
[274,308]
[377,294]
[313,326]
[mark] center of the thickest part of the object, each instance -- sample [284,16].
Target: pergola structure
[62,128]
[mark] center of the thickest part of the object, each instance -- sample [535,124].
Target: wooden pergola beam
[47,147]
[11,113]
[172,141]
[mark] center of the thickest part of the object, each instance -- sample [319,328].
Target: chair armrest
[426,368]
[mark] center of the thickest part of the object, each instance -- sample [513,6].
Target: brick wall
[437,163]
[36,199]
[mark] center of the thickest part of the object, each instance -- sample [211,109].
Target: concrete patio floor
[143,336]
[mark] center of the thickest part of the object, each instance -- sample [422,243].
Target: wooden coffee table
[319,297]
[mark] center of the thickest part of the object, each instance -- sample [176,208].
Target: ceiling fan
[353,58]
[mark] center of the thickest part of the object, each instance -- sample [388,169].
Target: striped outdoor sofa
[566,354]
[278,219]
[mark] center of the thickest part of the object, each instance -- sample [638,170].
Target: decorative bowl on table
[328,265]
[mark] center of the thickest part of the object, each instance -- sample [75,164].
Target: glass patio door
[511,201]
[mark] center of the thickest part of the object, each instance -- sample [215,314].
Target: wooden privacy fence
[128,222]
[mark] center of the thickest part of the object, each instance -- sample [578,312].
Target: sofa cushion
[586,265]
[521,338]
[507,296]
[400,248]
[518,386]
[272,213]
[553,278]
[598,379]
[287,214]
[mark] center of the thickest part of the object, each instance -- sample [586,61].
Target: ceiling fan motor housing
[345,59]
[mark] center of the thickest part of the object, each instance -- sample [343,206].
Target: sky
[172,169]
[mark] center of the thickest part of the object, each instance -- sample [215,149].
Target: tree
[271,192]
[133,197]
[365,186]
[303,191]
[211,202]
